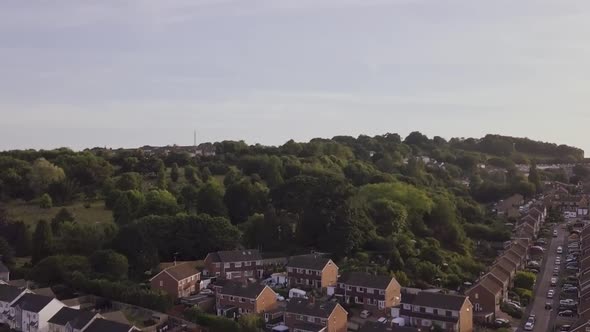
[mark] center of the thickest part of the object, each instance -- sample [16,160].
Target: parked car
[553,281]
[382,320]
[530,323]
[533,270]
[567,302]
[559,250]
[206,291]
[565,328]
[365,314]
[572,268]
[501,322]
[555,233]
[571,290]
[548,306]
[550,293]
[566,313]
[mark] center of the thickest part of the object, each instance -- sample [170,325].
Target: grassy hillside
[31,213]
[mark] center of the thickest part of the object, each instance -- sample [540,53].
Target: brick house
[453,313]
[235,299]
[234,265]
[310,316]
[180,280]
[311,271]
[486,296]
[375,293]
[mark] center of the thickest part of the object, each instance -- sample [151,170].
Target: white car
[529,326]
[365,314]
[550,293]
[559,250]
[553,281]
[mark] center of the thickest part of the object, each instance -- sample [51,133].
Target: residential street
[545,318]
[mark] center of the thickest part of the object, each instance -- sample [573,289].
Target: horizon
[83,75]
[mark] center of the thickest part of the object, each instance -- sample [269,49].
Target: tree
[42,241]
[390,217]
[45,202]
[128,206]
[210,199]
[190,174]
[44,173]
[134,243]
[534,177]
[160,202]
[110,264]
[206,174]
[129,181]
[174,173]
[524,280]
[81,239]
[57,269]
[162,177]
[6,252]
[250,323]
[243,199]
[63,215]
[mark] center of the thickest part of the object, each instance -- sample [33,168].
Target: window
[237,265]
[318,273]
[231,298]
[360,289]
[217,265]
[435,311]
[310,319]
[259,263]
[242,300]
[349,288]
[422,309]
[382,292]
[381,304]
[308,271]
[161,283]
[226,265]
[289,269]
[247,264]
[299,317]
[358,300]
[477,296]
[222,297]
[449,313]
[252,301]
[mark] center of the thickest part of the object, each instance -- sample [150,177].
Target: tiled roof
[103,325]
[77,318]
[182,271]
[312,262]
[310,308]
[363,279]
[33,302]
[439,300]
[490,285]
[500,274]
[250,291]
[236,255]
[9,293]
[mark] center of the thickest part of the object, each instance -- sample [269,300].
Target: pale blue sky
[128,73]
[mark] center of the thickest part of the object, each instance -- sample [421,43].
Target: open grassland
[31,213]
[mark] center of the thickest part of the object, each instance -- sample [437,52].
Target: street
[545,318]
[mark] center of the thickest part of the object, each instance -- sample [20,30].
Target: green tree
[161,184]
[160,202]
[45,202]
[110,264]
[534,177]
[81,239]
[206,174]
[44,173]
[129,181]
[57,269]
[190,174]
[174,173]
[390,217]
[243,199]
[210,199]
[250,323]
[524,280]
[128,206]
[6,252]
[139,249]
[189,197]
[42,241]
[63,215]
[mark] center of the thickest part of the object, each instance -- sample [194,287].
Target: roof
[103,325]
[9,293]
[116,316]
[512,256]
[77,318]
[379,327]
[439,300]
[33,302]
[311,308]
[529,218]
[236,255]
[47,291]
[507,263]
[490,285]
[180,271]
[363,279]
[311,262]
[500,274]
[251,291]
[3,268]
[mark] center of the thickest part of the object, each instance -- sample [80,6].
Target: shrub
[45,202]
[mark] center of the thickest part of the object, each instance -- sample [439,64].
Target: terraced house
[311,271]
[180,280]
[310,316]
[452,313]
[235,299]
[234,265]
[375,293]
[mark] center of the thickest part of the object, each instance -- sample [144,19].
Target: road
[545,318]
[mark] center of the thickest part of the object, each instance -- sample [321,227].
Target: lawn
[30,213]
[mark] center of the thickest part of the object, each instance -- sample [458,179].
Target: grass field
[31,213]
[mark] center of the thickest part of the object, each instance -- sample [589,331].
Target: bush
[525,295]
[45,202]
[513,312]
[524,280]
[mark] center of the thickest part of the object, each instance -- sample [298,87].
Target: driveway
[545,318]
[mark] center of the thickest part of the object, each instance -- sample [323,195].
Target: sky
[128,73]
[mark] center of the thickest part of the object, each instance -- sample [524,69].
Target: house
[8,295]
[375,293]
[510,203]
[71,320]
[180,280]
[426,309]
[486,296]
[534,222]
[236,299]
[502,276]
[515,256]
[103,325]
[507,265]
[303,315]
[4,272]
[31,312]
[234,265]
[380,327]
[311,271]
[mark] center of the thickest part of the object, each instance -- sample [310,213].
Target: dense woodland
[374,203]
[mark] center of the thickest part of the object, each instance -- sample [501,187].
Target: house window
[422,309]
[349,288]
[318,273]
[360,289]
[381,292]
[237,265]
[242,300]
[342,285]
[477,296]
[222,297]
[308,271]
[289,269]
[226,265]
[247,264]
[252,301]
[161,283]
[217,265]
[358,300]
[449,313]
[259,263]
[231,298]
[381,304]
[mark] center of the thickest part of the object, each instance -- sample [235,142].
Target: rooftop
[311,308]
[363,279]
[236,255]
[77,318]
[103,325]
[33,302]
[312,262]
